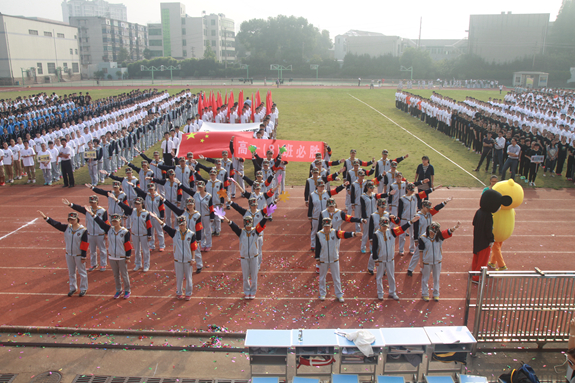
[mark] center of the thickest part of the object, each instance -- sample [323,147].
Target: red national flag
[209,144]
[258,98]
[230,103]
[219,100]
[253,107]
[214,106]
[241,99]
[296,151]
[268,102]
[226,100]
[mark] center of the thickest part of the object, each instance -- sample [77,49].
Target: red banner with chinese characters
[209,144]
[296,151]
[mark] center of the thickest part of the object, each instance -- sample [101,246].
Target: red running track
[33,287]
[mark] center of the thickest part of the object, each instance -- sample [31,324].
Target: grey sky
[442,19]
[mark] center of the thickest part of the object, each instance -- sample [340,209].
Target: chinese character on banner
[313,149]
[242,147]
[289,151]
[271,147]
[300,152]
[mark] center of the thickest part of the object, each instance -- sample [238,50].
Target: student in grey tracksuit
[173,191]
[383,254]
[154,204]
[327,256]
[420,227]
[430,245]
[185,246]
[373,225]
[95,233]
[76,240]
[257,215]
[249,251]
[193,222]
[141,229]
[119,251]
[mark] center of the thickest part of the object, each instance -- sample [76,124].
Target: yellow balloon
[504,219]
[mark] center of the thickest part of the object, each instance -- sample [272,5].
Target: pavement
[40,353]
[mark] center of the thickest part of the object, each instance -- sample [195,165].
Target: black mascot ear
[506,200]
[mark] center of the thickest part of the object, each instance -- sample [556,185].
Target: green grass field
[336,117]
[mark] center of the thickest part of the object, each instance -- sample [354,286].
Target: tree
[119,74]
[99,74]
[123,55]
[209,54]
[147,54]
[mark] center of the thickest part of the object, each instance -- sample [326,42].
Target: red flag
[253,107]
[219,100]
[268,102]
[258,98]
[240,102]
[214,107]
[201,105]
[230,103]
[226,100]
[296,151]
[209,144]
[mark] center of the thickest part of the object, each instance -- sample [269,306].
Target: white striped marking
[423,142]
[21,227]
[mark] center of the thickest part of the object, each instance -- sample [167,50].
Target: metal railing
[520,306]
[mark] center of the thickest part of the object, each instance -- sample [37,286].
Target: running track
[33,287]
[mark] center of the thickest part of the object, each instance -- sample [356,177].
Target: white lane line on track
[21,227]
[423,142]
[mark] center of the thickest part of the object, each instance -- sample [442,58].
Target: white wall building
[86,8]
[43,50]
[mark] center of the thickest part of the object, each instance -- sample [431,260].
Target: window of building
[155,43]
[185,53]
[75,37]
[39,68]
[205,32]
[52,68]
[183,21]
[184,42]
[207,43]
[155,32]
[213,22]
[65,66]
[76,51]
[75,68]
[60,35]
[213,32]
[47,34]
[183,31]
[32,32]
[213,43]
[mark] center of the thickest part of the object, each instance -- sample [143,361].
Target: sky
[441,19]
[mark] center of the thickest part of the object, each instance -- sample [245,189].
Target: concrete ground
[29,361]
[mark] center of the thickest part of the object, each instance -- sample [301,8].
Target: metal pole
[22,70]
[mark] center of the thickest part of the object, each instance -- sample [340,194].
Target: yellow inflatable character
[504,221]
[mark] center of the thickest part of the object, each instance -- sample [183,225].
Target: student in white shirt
[45,166]
[2,180]
[7,154]
[16,160]
[28,155]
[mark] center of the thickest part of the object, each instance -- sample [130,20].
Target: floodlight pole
[151,69]
[171,68]
[247,68]
[280,69]
[316,67]
[404,69]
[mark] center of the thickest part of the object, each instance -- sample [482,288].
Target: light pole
[280,69]
[404,69]
[247,68]
[316,67]
[151,69]
[171,68]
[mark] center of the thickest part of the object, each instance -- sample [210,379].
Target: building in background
[107,40]
[439,49]
[39,50]
[507,37]
[181,36]
[358,40]
[86,8]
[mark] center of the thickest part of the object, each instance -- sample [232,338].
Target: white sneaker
[136,268]
[146,269]
[33,181]
[322,298]
[340,299]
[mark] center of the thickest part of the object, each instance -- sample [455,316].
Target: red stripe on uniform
[148,224]
[128,246]
[199,226]
[193,246]
[84,246]
[398,230]
[161,207]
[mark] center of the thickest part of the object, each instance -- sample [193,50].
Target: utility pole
[419,41]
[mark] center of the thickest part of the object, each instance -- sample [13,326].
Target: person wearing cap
[141,229]
[352,175]
[76,242]
[355,191]
[383,165]
[430,246]
[265,183]
[368,206]
[400,186]
[311,183]
[126,181]
[407,207]
[425,215]
[257,216]
[205,206]
[113,207]
[194,223]
[383,253]
[95,233]
[184,173]
[154,203]
[325,162]
[173,190]
[258,161]
[155,166]
[264,199]
[143,172]
[185,246]
[318,203]
[349,163]
[238,165]
[119,250]
[213,187]
[327,256]
[224,163]
[373,225]
[249,252]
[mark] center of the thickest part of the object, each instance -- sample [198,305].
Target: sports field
[359,118]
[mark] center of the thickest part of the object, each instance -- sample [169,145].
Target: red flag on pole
[258,99]
[219,100]
[226,100]
[214,107]
[268,102]
[230,103]
[240,101]
[253,107]
[201,105]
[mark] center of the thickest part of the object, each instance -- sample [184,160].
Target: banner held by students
[294,151]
